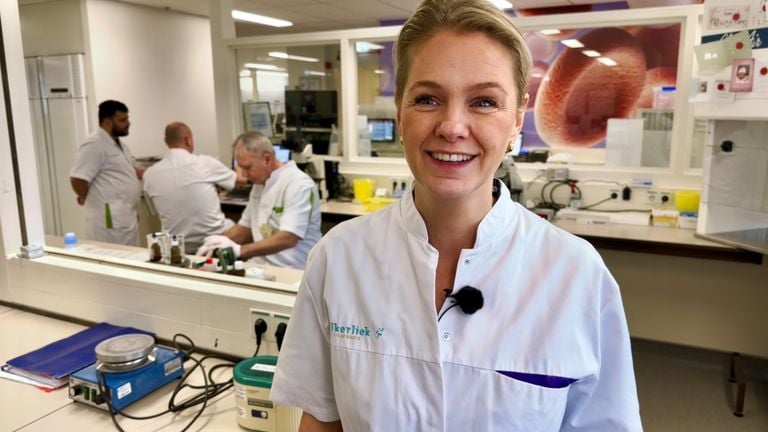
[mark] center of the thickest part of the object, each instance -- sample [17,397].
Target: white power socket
[271,318]
[267,317]
[658,197]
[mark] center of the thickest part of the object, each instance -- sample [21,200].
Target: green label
[107,216]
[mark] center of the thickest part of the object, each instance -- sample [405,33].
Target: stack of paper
[49,367]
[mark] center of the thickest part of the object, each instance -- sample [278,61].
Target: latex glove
[214,242]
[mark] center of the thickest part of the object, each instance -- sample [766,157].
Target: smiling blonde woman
[457,309]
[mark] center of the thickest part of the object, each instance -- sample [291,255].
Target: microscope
[301,151]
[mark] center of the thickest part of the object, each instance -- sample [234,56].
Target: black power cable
[280,334]
[259,327]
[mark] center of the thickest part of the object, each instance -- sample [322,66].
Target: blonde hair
[461,16]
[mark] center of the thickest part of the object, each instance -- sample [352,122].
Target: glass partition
[376,129]
[292,94]
[604,95]
[307,69]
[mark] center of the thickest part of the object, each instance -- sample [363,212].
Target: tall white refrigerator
[60,121]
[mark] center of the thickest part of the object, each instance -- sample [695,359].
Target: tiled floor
[684,389]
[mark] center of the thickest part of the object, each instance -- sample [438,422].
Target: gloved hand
[214,242]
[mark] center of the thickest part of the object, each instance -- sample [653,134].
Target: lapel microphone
[468,299]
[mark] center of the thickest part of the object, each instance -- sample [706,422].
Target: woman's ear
[520,114]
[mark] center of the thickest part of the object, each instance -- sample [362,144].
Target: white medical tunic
[114,189]
[548,351]
[183,190]
[288,201]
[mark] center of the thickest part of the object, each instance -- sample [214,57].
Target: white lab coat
[288,201]
[182,188]
[112,181]
[364,344]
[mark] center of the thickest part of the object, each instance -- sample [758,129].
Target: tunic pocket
[548,381]
[513,404]
[123,215]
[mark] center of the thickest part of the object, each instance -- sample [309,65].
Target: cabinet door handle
[726,146]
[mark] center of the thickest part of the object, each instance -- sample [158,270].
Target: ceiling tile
[318,15]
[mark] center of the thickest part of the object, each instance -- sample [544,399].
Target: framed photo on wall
[258,117]
[742,71]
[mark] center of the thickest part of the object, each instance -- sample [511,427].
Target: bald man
[183,188]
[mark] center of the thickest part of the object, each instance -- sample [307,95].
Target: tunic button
[446,336]
[467,261]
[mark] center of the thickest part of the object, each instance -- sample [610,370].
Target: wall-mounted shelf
[740,109]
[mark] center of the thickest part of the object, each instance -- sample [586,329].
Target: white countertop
[26,408]
[618,231]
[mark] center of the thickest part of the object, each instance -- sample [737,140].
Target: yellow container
[377,203]
[687,201]
[363,188]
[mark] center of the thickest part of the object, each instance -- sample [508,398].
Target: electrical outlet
[657,197]
[267,317]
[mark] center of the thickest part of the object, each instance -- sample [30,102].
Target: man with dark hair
[184,189]
[106,181]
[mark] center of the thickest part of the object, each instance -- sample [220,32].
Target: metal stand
[737,376]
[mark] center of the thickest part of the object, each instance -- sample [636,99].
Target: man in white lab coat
[106,181]
[281,222]
[184,189]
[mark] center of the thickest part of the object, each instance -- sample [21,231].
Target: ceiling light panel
[364,47]
[259,19]
[607,61]
[262,66]
[501,4]
[282,55]
[572,43]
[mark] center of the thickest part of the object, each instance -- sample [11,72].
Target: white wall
[52,27]
[157,62]
[215,315]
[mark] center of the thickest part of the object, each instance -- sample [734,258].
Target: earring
[510,145]
[401,142]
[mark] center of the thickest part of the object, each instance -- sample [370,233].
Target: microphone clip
[468,298]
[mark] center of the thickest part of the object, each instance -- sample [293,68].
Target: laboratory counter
[26,408]
[134,256]
[623,237]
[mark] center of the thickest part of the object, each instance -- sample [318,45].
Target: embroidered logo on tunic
[353,331]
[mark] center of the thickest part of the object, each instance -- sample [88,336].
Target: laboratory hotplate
[129,371]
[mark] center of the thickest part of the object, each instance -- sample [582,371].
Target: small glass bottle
[238,269]
[155,252]
[70,240]
[176,255]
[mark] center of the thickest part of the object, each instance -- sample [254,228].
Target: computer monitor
[311,109]
[382,130]
[282,154]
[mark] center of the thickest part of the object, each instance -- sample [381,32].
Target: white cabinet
[734,200]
